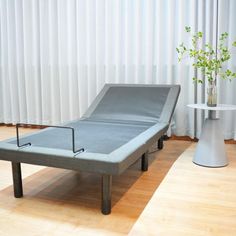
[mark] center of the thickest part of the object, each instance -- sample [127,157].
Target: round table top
[219,107]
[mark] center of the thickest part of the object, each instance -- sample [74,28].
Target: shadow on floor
[73,197]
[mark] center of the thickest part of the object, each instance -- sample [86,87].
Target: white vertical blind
[55,56]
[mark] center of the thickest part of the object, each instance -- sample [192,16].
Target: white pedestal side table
[210,151]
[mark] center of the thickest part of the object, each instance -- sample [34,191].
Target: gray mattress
[119,126]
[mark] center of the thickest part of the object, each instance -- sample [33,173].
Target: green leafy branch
[206,58]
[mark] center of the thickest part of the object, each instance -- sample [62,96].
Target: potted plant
[209,60]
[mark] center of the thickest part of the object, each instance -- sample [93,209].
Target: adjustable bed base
[117,129]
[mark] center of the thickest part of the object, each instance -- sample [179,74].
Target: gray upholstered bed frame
[117,129]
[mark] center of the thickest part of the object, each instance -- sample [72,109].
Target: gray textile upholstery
[142,104]
[94,136]
[119,126]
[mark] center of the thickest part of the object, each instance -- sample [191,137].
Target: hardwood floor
[61,202]
[192,200]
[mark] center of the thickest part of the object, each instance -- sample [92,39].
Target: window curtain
[226,89]
[56,55]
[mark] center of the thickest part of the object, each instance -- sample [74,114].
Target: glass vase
[212,94]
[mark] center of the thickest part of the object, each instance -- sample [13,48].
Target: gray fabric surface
[114,163]
[142,104]
[122,114]
[119,126]
[94,136]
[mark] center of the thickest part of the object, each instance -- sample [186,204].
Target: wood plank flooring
[192,200]
[61,202]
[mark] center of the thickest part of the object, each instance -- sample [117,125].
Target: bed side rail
[74,150]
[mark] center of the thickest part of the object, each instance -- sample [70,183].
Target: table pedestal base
[210,151]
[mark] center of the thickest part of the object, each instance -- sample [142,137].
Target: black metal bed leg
[106,194]
[160,144]
[144,162]
[17,180]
